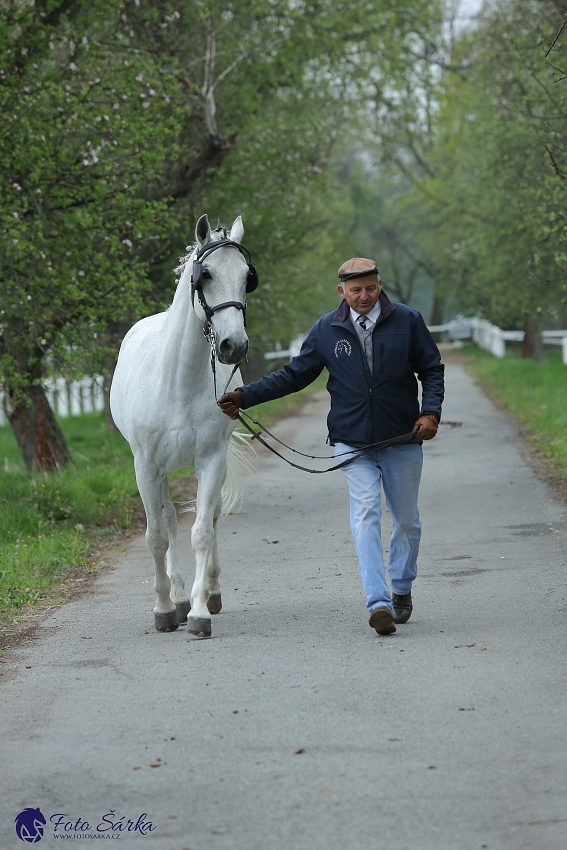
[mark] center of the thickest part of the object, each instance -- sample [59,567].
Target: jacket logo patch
[343,346]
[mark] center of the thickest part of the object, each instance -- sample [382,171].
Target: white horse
[163,401]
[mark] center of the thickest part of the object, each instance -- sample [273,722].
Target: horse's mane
[219,231]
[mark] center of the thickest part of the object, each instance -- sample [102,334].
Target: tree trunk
[37,433]
[532,345]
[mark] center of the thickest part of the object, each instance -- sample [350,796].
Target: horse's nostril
[232,351]
[226,348]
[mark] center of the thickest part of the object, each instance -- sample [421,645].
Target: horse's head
[224,275]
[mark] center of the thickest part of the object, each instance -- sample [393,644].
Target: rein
[257,435]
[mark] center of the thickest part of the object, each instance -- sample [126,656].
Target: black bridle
[197,277]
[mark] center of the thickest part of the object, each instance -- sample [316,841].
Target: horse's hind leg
[150,487]
[214,602]
[177,592]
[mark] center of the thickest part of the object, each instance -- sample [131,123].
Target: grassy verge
[535,392]
[50,524]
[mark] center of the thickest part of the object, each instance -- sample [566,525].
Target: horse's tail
[241,460]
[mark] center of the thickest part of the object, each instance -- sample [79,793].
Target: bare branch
[559,171]
[564,24]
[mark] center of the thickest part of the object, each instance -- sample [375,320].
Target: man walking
[373,349]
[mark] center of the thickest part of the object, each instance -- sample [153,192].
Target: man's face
[361,293]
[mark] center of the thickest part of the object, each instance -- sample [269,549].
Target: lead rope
[257,435]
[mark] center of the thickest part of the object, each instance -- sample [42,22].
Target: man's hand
[426,426]
[230,403]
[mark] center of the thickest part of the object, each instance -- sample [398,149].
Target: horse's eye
[206,274]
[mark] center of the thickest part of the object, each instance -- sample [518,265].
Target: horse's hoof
[214,603]
[166,622]
[183,609]
[200,626]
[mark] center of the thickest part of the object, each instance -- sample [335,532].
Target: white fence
[292,351]
[485,334]
[70,398]
[493,339]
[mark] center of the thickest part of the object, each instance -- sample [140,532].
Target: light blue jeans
[399,469]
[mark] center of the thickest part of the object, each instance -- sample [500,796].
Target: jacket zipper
[381,356]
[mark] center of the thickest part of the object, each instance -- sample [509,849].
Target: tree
[121,117]
[494,194]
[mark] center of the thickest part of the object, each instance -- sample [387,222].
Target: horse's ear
[203,230]
[237,230]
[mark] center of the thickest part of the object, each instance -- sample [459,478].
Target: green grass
[49,521]
[535,392]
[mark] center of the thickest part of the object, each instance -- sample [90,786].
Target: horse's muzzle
[231,352]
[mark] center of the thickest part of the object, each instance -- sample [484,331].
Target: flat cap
[357,267]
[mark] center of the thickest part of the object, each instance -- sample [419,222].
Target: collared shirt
[365,335]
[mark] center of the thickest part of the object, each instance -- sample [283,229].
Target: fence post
[62,397]
[86,394]
[498,344]
[98,393]
[564,349]
[75,398]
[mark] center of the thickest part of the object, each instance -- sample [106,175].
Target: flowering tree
[117,117]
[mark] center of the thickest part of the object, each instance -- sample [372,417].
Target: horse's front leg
[211,475]
[177,591]
[150,486]
[214,603]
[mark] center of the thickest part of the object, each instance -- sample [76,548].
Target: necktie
[362,323]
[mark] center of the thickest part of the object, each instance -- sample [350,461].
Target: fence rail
[493,339]
[70,398]
[484,333]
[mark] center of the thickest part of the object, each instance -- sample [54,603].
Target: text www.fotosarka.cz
[32,826]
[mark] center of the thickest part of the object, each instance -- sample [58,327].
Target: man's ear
[341,290]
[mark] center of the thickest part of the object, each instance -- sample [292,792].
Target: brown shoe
[403,606]
[382,619]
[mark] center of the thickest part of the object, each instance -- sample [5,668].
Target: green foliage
[384,222]
[535,392]
[118,115]
[493,197]
[78,157]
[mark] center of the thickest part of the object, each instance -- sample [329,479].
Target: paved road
[296,727]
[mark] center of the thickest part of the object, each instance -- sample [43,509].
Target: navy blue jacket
[365,408]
